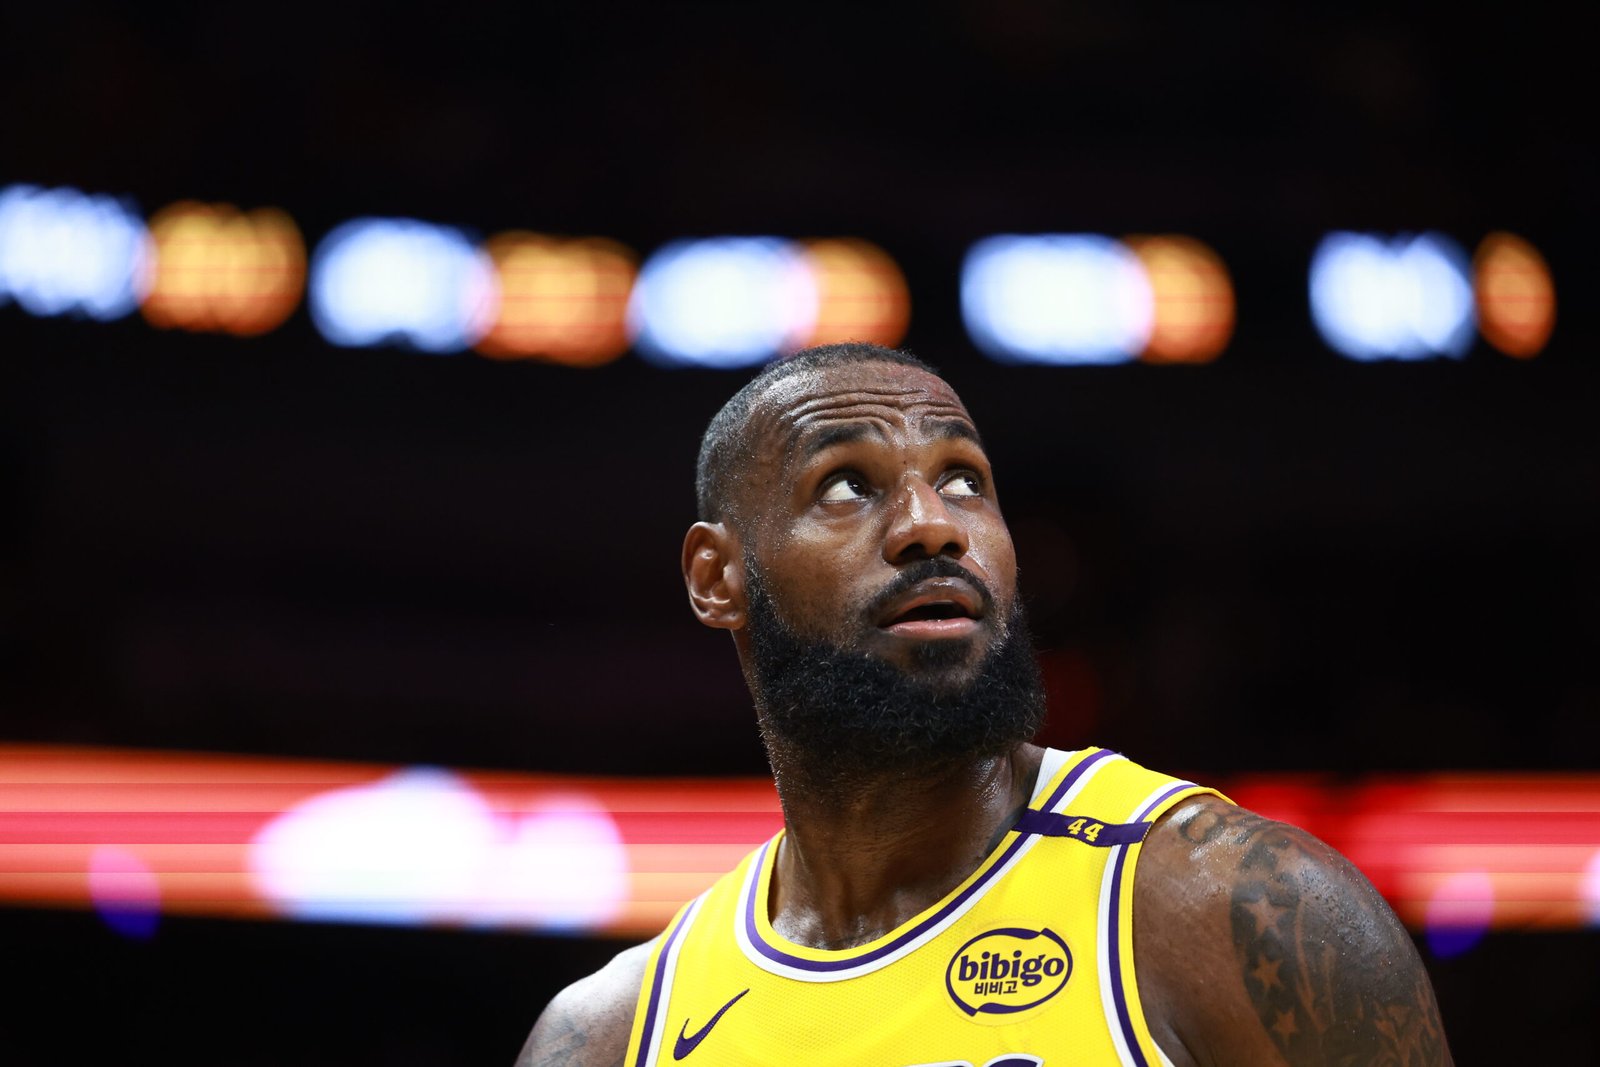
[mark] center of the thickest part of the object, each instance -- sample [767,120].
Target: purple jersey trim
[645,1035]
[777,955]
[1058,824]
[1113,932]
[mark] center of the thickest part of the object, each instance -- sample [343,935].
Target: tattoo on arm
[558,1041]
[1332,975]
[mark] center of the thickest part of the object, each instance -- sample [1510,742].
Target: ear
[713,571]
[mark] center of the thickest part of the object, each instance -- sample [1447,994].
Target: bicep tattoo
[1332,975]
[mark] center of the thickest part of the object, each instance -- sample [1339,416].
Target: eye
[844,487]
[962,484]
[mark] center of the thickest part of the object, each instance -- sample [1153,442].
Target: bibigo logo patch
[1008,970]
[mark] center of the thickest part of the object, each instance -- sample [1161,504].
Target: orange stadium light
[1516,295]
[219,270]
[1193,299]
[861,294]
[563,301]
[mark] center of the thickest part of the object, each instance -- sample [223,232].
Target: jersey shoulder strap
[1105,801]
[644,1041]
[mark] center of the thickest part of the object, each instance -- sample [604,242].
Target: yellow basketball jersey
[1027,962]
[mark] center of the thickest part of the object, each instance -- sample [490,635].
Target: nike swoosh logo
[685,1045]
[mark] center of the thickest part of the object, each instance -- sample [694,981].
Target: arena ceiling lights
[1065,299]
[1417,296]
[740,301]
[736,301]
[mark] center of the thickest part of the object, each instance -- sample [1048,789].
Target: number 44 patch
[1081,828]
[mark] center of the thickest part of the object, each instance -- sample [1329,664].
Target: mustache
[921,571]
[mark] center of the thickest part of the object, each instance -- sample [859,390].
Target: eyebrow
[842,433]
[944,429]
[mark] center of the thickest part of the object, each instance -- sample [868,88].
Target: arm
[588,1023]
[1256,943]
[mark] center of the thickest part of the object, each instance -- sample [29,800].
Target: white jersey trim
[1108,989]
[663,992]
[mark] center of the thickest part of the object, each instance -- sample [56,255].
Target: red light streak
[191,819]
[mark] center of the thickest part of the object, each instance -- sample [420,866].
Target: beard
[835,717]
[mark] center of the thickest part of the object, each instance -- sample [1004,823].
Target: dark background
[1280,561]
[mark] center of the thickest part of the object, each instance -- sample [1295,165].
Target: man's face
[883,630]
[870,514]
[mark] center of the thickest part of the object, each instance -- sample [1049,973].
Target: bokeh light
[401,850]
[1193,302]
[218,269]
[1404,298]
[1516,295]
[403,282]
[1459,913]
[1056,299]
[722,302]
[861,293]
[422,845]
[559,866]
[1589,889]
[563,301]
[124,891]
[62,251]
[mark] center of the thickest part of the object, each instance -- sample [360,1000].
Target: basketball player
[945,893]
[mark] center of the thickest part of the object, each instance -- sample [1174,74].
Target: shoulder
[589,1022]
[1256,942]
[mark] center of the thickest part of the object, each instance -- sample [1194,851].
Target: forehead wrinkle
[882,402]
[786,413]
[812,427]
[853,395]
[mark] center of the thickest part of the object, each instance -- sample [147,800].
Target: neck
[857,862]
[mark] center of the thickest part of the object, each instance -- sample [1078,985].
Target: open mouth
[939,608]
[924,612]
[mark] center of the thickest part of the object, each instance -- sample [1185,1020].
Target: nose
[921,525]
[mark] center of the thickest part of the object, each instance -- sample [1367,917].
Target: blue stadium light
[403,282]
[1442,316]
[1405,298]
[62,251]
[722,302]
[1058,299]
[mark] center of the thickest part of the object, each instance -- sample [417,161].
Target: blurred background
[352,366]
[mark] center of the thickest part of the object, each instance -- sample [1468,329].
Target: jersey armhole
[1130,1031]
[649,1016]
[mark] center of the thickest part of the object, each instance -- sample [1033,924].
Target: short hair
[723,445]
